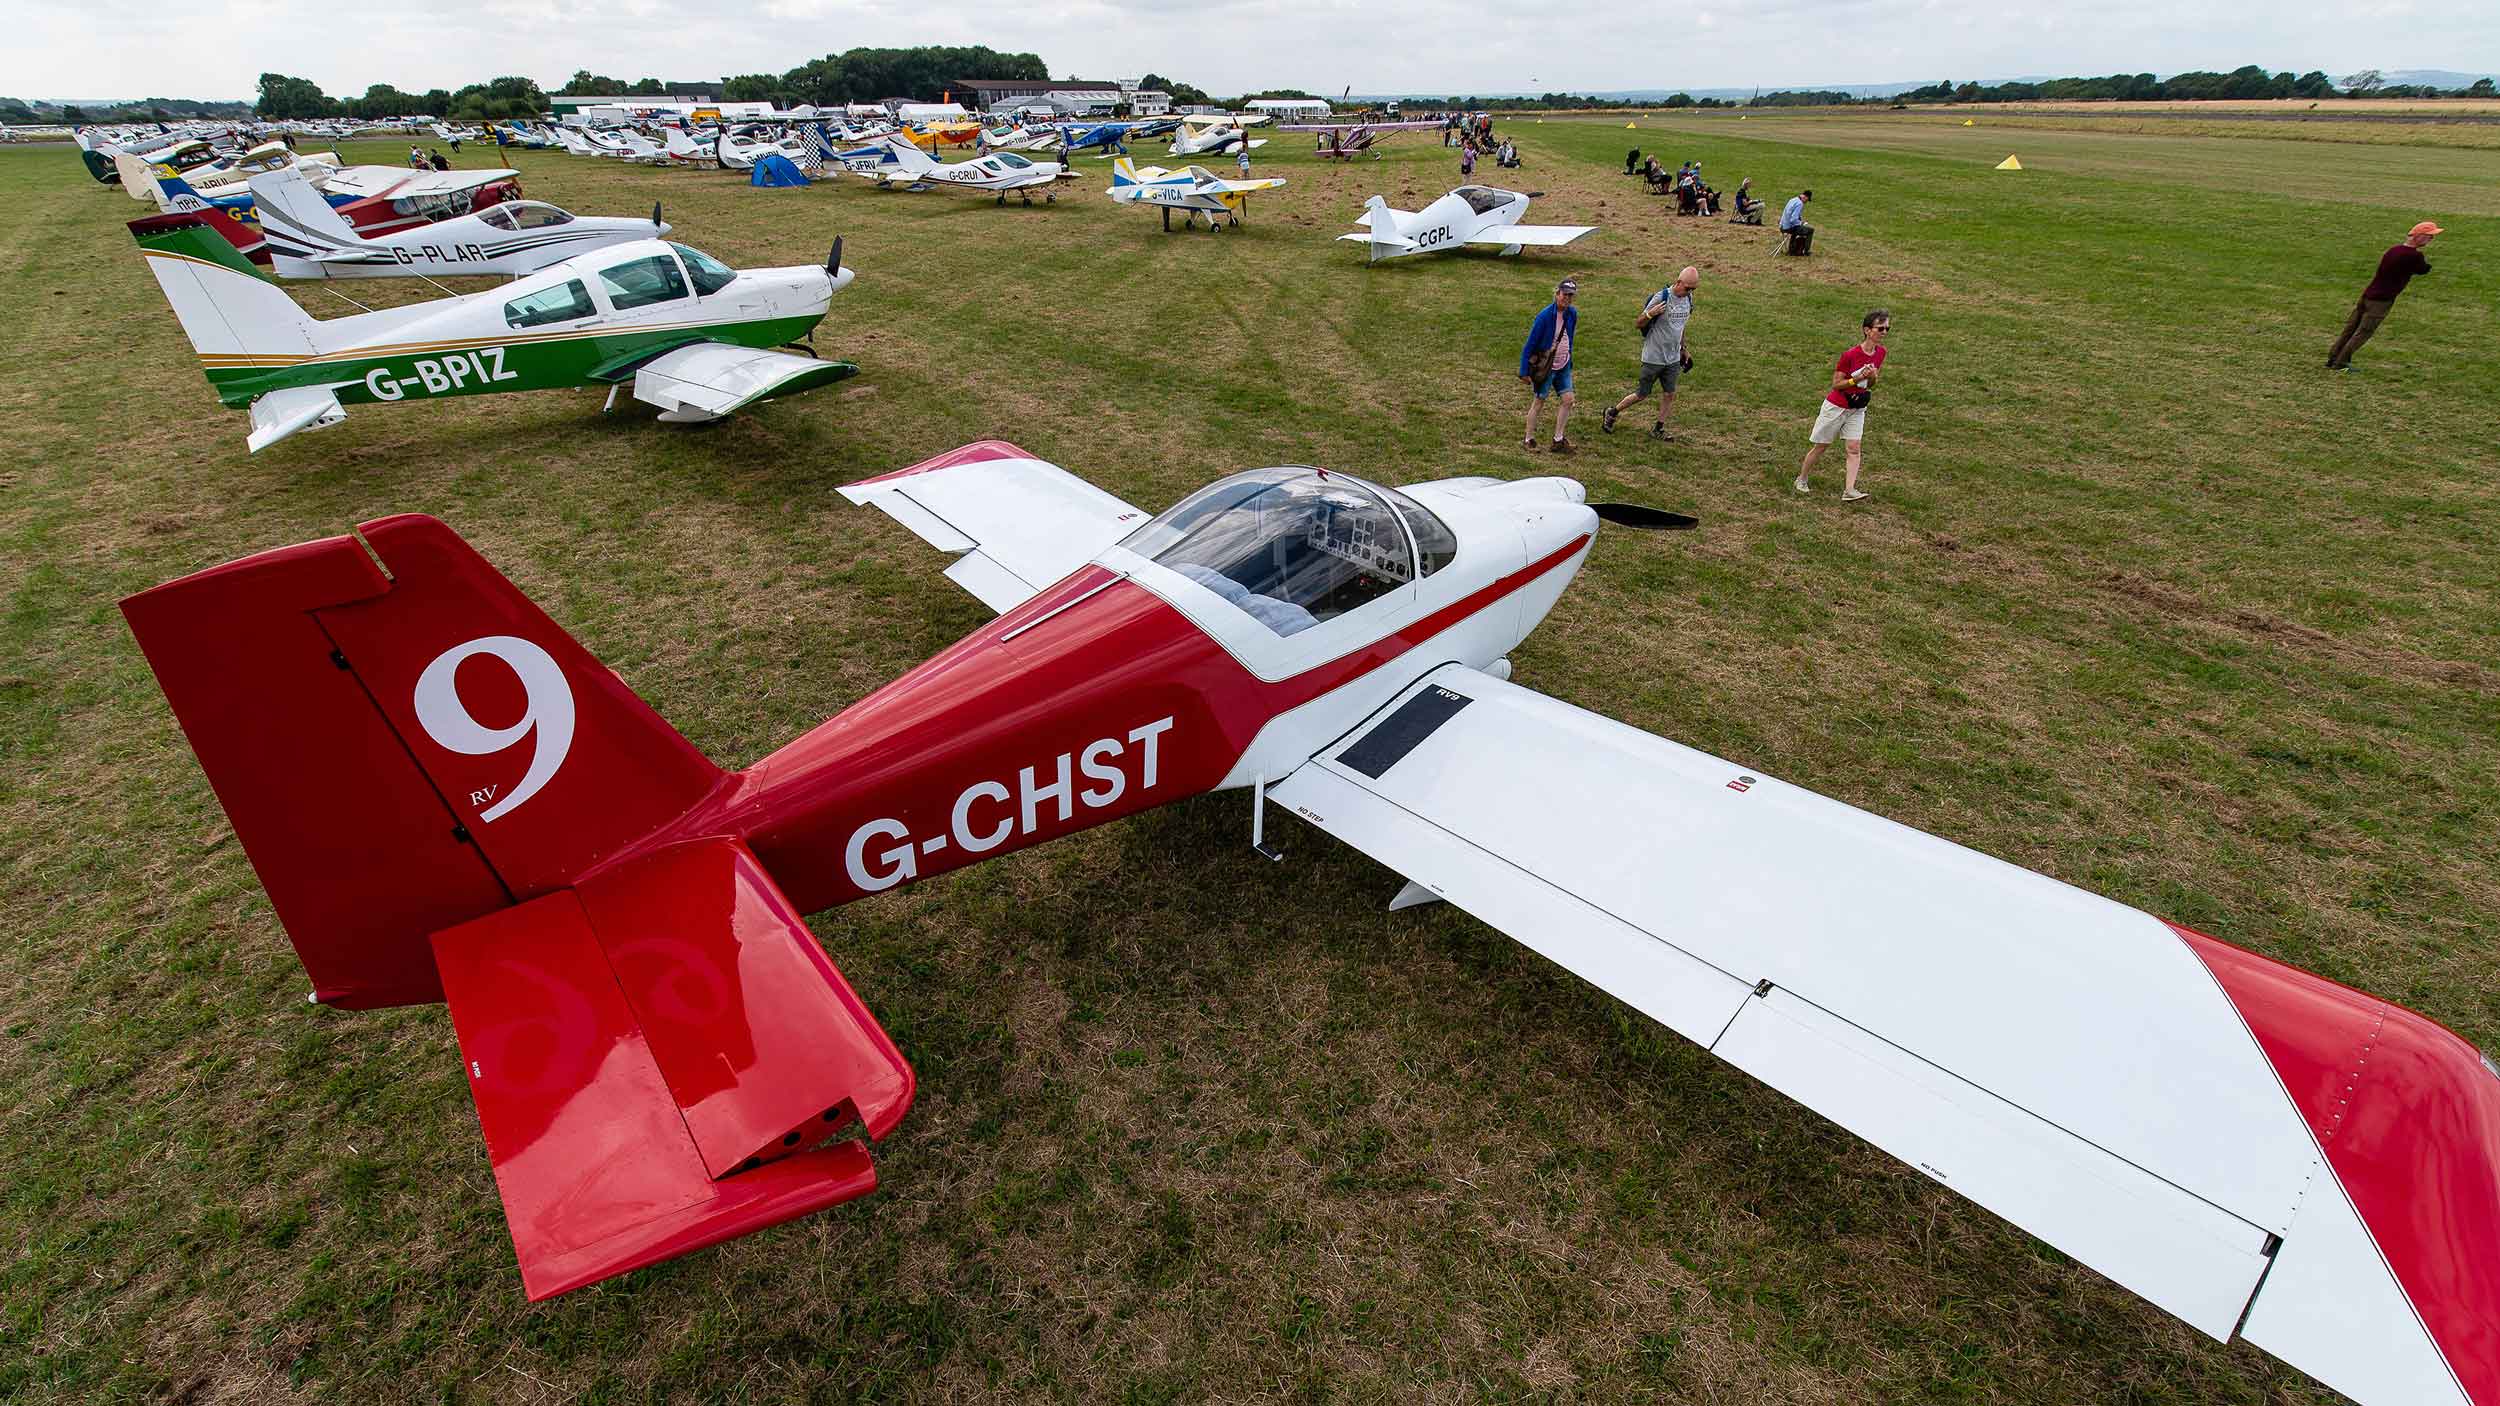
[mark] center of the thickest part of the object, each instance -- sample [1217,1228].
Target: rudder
[403,752]
[232,315]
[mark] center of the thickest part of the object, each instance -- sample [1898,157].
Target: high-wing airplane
[1193,191]
[1221,135]
[1001,172]
[382,199]
[1337,142]
[448,799]
[1480,215]
[688,333]
[308,239]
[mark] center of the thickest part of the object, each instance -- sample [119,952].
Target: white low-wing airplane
[1201,136]
[663,1056]
[684,331]
[1000,172]
[308,239]
[1480,215]
[1193,191]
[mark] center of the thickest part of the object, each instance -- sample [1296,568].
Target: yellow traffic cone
[1966,122]
[2009,164]
[1629,125]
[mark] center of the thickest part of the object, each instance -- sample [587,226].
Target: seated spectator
[1793,224]
[1748,209]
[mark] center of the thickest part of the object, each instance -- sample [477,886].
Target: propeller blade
[655,214]
[1636,515]
[833,261]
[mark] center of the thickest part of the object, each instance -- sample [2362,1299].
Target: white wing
[710,379]
[1541,236]
[2062,1060]
[1016,523]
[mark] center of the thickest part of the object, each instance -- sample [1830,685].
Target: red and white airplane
[447,798]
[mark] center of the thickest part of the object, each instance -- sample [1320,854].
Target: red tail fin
[401,753]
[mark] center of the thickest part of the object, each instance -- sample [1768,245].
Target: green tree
[1679,100]
[752,88]
[73,113]
[2364,83]
[586,84]
[2482,89]
[283,97]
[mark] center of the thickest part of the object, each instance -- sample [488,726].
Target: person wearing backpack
[1664,354]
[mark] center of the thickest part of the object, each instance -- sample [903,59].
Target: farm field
[2144,599]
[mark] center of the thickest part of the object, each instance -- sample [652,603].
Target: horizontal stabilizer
[662,1059]
[283,412]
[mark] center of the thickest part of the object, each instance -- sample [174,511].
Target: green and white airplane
[690,334]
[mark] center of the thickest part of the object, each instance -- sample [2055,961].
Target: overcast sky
[218,48]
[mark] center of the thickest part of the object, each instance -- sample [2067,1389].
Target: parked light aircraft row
[2257,1151]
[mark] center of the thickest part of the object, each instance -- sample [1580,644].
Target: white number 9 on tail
[549,713]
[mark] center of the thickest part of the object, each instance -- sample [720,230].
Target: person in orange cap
[2397,267]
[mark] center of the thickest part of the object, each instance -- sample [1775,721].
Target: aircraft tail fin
[908,154]
[233,316]
[174,195]
[294,214]
[403,742]
[448,799]
[1124,172]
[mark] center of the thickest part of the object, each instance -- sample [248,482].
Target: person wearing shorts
[1663,352]
[1545,362]
[1842,415]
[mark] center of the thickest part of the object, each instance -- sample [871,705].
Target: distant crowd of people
[420,159]
[1473,136]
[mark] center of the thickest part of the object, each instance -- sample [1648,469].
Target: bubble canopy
[1297,546]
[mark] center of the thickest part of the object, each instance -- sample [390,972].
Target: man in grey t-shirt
[1664,351]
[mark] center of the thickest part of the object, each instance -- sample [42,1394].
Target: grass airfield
[2144,600]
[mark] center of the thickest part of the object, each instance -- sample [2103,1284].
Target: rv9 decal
[433,376]
[548,715]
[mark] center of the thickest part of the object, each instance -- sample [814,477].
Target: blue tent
[777,170]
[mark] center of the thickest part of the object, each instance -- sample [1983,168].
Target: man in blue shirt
[1793,219]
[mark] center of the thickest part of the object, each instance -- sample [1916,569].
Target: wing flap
[660,1059]
[1534,236]
[707,380]
[1015,523]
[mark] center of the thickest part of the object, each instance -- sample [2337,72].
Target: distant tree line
[923,74]
[2243,83]
[20,112]
[283,98]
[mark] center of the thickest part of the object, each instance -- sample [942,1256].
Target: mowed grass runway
[2144,599]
